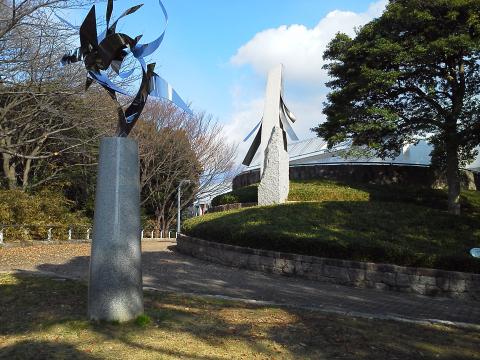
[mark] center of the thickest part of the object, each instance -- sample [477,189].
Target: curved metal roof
[315,151]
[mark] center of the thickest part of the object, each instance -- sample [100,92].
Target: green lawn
[247,194]
[367,223]
[42,318]
[326,190]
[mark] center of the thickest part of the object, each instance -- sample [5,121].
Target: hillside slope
[366,223]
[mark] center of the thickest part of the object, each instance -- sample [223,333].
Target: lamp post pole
[179,204]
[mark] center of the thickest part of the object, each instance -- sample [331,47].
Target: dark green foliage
[412,72]
[383,224]
[248,194]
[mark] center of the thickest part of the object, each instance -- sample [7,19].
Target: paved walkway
[166,269]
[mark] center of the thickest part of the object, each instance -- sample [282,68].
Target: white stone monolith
[274,184]
[274,169]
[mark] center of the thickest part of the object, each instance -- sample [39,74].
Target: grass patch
[323,190]
[327,190]
[247,194]
[365,223]
[143,320]
[45,319]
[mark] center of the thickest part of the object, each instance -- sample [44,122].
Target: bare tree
[46,121]
[175,146]
[49,126]
[21,13]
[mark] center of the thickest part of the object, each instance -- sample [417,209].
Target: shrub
[33,215]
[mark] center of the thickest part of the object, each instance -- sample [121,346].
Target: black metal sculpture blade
[108,15]
[111,49]
[136,107]
[108,51]
[88,33]
[285,117]
[253,148]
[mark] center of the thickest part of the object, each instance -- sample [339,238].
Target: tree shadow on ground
[202,329]
[417,195]
[43,350]
[171,271]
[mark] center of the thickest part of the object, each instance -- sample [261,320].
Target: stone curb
[422,281]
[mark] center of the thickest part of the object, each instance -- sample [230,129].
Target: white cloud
[309,114]
[246,115]
[299,48]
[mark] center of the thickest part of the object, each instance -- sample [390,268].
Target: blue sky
[216,52]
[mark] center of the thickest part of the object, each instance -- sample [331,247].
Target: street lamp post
[179,204]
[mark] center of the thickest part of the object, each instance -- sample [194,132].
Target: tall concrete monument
[271,141]
[115,290]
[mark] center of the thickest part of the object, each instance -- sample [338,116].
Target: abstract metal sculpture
[271,117]
[107,51]
[272,141]
[115,290]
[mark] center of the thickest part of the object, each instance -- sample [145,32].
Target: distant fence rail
[53,233]
[158,235]
[44,232]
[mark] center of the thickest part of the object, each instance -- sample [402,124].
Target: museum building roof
[315,151]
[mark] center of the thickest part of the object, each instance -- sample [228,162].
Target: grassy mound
[325,190]
[369,223]
[313,190]
[246,194]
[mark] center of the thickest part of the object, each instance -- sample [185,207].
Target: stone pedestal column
[115,288]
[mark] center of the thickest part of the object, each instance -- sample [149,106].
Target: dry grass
[31,256]
[45,319]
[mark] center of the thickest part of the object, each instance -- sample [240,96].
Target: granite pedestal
[115,287]
[274,183]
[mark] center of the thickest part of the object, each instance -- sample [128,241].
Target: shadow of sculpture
[171,271]
[199,329]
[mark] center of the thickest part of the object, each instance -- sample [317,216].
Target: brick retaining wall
[353,273]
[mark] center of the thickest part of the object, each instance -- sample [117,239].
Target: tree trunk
[167,225]
[26,174]
[453,180]
[9,172]
[158,221]
[161,222]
